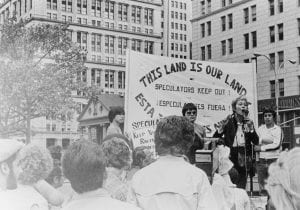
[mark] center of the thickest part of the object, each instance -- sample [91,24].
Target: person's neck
[116,123]
[270,125]
[239,118]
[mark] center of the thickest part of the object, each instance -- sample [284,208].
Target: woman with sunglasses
[189,111]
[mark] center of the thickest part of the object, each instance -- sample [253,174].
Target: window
[82,39]
[223,23]
[172,46]
[272,59]
[203,53]
[209,28]
[208,6]
[122,12]
[208,52]
[149,47]
[246,15]
[246,40]
[272,34]
[96,42]
[51,4]
[253,13]
[136,45]
[121,80]
[63,5]
[109,10]
[136,14]
[223,45]
[272,88]
[272,8]
[280,31]
[82,7]
[202,30]
[230,21]
[230,46]
[223,3]
[122,45]
[280,6]
[148,17]
[69,6]
[109,79]
[281,87]
[281,59]
[254,39]
[203,7]
[109,44]
[96,8]
[298,19]
[96,76]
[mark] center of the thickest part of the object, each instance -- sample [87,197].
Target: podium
[204,158]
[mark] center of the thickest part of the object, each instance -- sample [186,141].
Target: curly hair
[34,162]
[117,153]
[174,135]
[84,165]
[283,183]
[142,156]
[239,98]
[117,110]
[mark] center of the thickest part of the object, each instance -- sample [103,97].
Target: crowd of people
[114,175]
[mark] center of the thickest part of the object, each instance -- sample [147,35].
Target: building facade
[105,29]
[176,16]
[235,30]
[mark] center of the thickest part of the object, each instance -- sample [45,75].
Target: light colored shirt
[116,184]
[273,135]
[239,139]
[241,199]
[113,129]
[97,200]
[172,183]
[22,198]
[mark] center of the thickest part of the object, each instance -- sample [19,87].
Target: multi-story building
[105,29]
[235,30]
[176,16]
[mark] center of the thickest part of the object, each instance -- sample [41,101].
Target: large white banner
[160,86]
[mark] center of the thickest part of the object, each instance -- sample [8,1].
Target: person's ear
[4,168]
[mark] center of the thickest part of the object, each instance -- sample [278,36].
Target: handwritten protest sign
[160,86]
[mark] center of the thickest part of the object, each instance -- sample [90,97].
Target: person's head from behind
[189,111]
[269,115]
[116,114]
[234,176]
[55,177]
[142,156]
[84,166]
[283,183]
[32,164]
[117,153]
[8,151]
[240,105]
[174,135]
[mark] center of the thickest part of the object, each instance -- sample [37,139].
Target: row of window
[112,78]
[205,5]
[272,7]
[177,36]
[177,4]
[110,43]
[178,15]
[281,87]
[253,14]
[179,47]
[109,10]
[177,26]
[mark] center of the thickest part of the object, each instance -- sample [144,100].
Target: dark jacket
[229,132]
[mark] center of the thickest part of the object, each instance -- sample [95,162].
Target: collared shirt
[97,200]
[172,183]
[271,150]
[239,139]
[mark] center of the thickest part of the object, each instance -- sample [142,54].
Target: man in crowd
[171,182]
[84,166]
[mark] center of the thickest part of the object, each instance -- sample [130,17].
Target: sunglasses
[191,113]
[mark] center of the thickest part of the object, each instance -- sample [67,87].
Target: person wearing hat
[8,150]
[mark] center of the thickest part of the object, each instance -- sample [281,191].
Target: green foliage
[38,68]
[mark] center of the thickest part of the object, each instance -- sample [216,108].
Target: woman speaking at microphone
[238,133]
